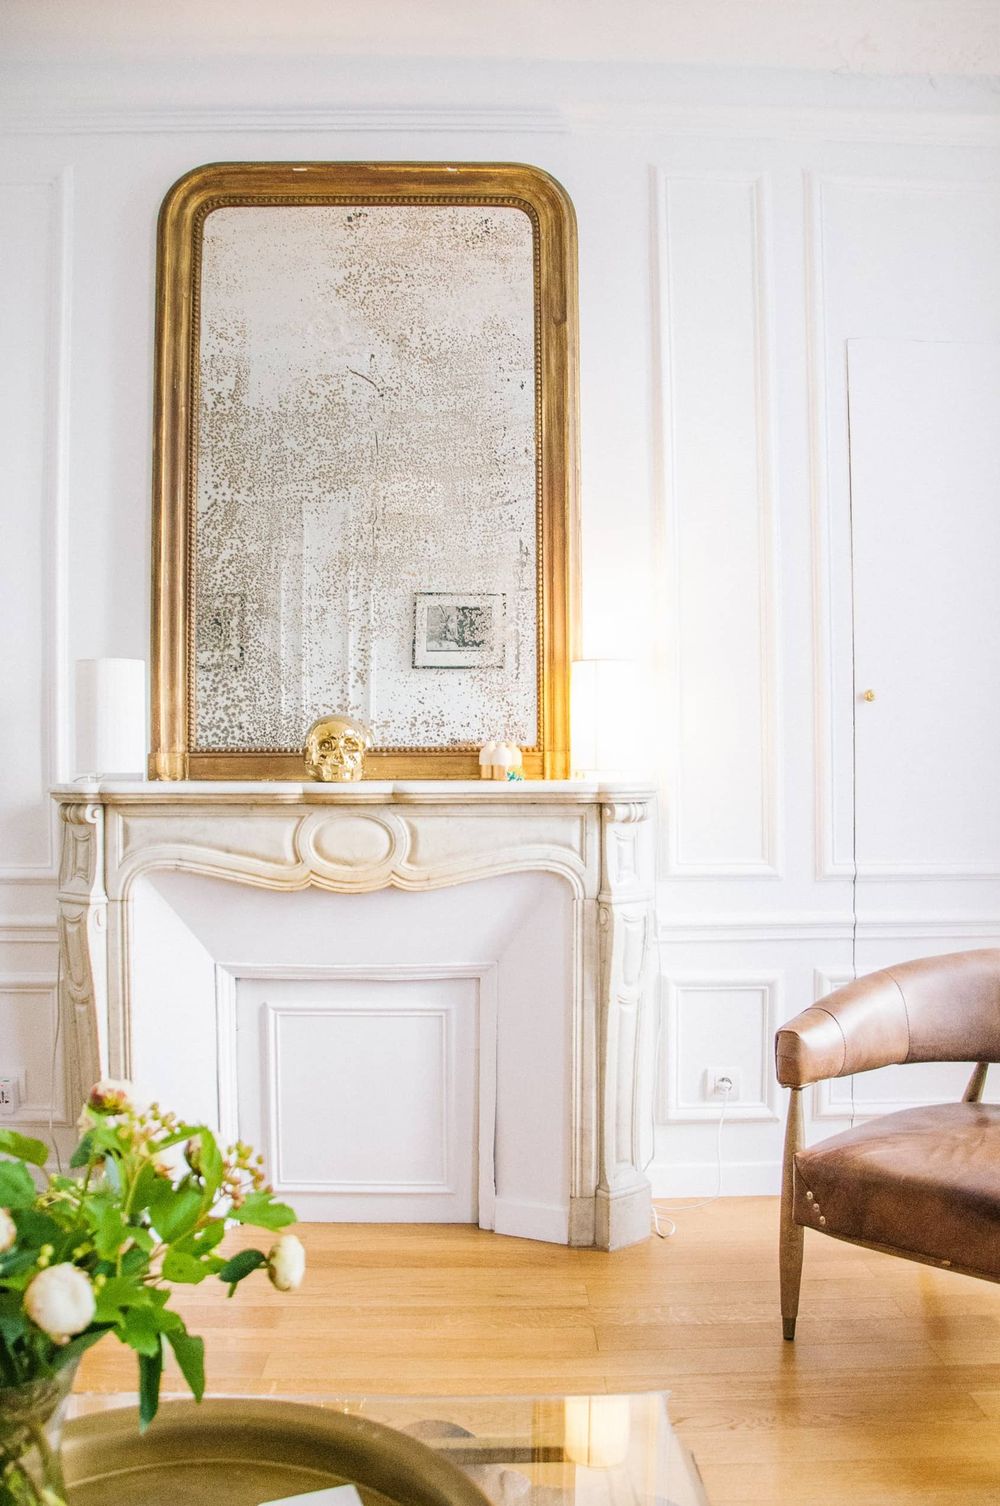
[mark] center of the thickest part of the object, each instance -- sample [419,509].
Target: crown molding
[762,122]
[114,120]
[572,116]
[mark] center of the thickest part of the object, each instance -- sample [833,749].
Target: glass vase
[31,1425]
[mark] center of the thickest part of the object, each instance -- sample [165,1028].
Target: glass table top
[532,1450]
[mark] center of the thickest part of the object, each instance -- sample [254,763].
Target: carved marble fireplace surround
[597,838]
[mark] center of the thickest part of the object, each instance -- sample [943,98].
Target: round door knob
[868,695]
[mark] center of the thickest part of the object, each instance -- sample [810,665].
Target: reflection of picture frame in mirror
[365,396]
[459,631]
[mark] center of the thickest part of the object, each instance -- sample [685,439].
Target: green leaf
[140,1328]
[142,1238]
[190,1352]
[110,1229]
[17,1186]
[13,1323]
[23,1148]
[83,1151]
[260,1209]
[134,1261]
[242,1265]
[105,1137]
[35,1228]
[150,1370]
[203,1240]
[209,1165]
[146,1187]
[119,1293]
[185,1269]
[175,1211]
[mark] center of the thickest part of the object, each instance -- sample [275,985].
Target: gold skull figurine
[335,749]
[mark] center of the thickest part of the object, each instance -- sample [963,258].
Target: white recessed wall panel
[30,318]
[716,456]
[712,1025]
[31,1053]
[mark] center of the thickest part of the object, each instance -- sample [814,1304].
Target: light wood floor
[889,1396]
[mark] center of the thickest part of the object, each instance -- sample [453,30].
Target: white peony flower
[8,1231]
[286,1262]
[60,1300]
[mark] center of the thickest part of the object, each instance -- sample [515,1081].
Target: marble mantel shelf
[367,792]
[598,836]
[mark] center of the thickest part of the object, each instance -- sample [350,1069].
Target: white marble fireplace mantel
[355,839]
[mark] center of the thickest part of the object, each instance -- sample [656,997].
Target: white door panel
[925,495]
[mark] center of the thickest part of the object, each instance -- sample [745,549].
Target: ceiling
[858,37]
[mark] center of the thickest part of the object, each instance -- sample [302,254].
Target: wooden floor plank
[889,1396]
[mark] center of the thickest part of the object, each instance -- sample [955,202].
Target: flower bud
[112,1095]
[8,1231]
[60,1300]
[286,1263]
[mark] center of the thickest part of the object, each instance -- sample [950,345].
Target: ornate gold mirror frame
[175,751]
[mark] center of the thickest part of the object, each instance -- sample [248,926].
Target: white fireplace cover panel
[209,954]
[363,1093]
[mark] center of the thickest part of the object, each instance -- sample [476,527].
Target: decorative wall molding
[675,989]
[784,123]
[757,185]
[30,931]
[621,117]
[55,490]
[37,1111]
[820,926]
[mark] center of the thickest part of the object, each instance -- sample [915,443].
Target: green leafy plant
[99,1251]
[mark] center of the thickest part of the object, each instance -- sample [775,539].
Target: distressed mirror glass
[364,469]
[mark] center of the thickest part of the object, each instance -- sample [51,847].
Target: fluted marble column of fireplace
[597,838]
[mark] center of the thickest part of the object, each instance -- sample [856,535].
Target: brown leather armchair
[923,1183]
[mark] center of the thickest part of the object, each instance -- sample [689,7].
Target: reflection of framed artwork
[366,385]
[458,631]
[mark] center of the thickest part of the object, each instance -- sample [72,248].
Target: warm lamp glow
[597,1430]
[604,715]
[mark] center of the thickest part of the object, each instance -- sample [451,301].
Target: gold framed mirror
[365,466]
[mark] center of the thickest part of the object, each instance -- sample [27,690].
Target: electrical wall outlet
[10,1094]
[722,1083]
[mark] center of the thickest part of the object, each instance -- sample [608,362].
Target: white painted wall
[756,185]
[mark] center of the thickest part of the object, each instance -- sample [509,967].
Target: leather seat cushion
[924,1182]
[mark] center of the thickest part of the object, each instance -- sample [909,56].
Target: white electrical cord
[691,1207]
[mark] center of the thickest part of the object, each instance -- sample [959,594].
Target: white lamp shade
[604,715]
[111,717]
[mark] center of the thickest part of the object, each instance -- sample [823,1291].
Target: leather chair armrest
[855,1029]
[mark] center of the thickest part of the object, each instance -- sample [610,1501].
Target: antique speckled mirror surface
[365,466]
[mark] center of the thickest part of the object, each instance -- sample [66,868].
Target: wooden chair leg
[977,1082]
[792,1236]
